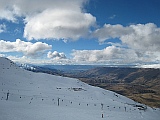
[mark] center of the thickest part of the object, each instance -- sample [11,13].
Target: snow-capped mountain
[26,66]
[37,96]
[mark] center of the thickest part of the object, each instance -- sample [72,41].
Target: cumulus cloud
[27,48]
[50,19]
[109,31]
[30,60]
[110,54]
[26,59]
[67,20]
[56,55]
[58,24]
[6,14]
[2,28]
[145,37]
[25,7]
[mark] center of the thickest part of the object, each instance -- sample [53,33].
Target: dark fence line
[32,99]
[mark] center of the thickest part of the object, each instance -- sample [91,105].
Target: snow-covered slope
[38,96]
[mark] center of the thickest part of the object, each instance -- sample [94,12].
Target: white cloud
[56,55]
[27,48]
[30,60]
[141,36]
[9,10]
[50,19]
[32,7]
[25,59]
[65,20]
[145,37]
[58,24]
[2,28]
[110,54]
[111,31]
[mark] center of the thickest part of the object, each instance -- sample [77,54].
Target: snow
[39,96]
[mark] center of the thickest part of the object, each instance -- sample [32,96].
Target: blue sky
[125,11]
[81,31]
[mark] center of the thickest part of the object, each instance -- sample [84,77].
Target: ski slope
[39,96]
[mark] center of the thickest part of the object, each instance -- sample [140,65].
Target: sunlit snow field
[39,96]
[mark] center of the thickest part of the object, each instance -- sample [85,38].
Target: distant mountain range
[43,69]
[69,68]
